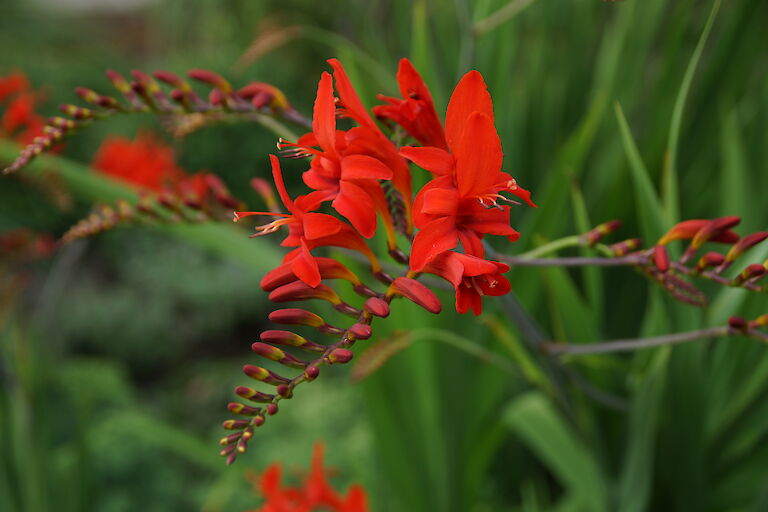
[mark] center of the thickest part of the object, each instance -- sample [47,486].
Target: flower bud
[210,78]
[230,439]
[119,83]
[272,409]
[311,373]
[285,391]
[76,112]
[752,272]
[360,331]
[340,356]
[235,424]
[242,409]
[298,290]
[290,339]
[377,307]
[745,243]
[258,421]
[737,323]
[417,293]
[710,259]
[661,258]
[264,375]
[253,395]
[295,316]
[275,354]
[173,80]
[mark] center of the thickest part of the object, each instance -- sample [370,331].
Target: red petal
[469,96]
[349,98]
[478,156]
[279,183]
[319,225]
[354,204]
[324,118]
[434,160]
[305,267]
[441,201]
[437,236]
[364,167]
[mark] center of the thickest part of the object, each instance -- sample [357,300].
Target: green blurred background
[117,362]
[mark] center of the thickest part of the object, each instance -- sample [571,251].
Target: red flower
[347,177]
[19,121]
[315,494]
[14,83]
[307,230]
[416,111]
[472,277]
[461,203]
[144,162]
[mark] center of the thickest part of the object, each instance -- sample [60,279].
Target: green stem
[465,345]
[553,246]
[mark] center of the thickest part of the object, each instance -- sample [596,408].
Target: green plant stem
[553,246]
[465,345]
[633,344]
[500,16]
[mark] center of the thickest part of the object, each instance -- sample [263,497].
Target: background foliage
[118,361]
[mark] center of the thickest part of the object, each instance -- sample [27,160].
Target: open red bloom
[19,120]
[347,177]
[416,111]
[472,277]
[314,495]
[461,203]
[144,162]
[308,230]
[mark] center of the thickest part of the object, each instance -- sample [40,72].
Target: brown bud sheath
[418,293]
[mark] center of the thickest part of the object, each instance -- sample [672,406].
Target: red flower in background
[144,162]
[19,120]
[316,492]
[416,111]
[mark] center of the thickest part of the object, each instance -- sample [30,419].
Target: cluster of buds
[181,107]
[674,274]
[315,492]
[168,194]
[750,328]
[19,121]
[362,181]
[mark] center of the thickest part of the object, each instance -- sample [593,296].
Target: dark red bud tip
[340,356]
[737,323]
[232,456]
[258,421]
[311,373]
[360,331]
[377,307]
[272,409]
[418,293]
[285,391]
[661,258]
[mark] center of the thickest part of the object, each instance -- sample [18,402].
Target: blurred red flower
[316,492]
[144,162]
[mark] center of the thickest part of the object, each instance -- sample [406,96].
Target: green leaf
[541,428]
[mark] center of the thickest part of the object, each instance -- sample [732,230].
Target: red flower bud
[264,375]
[242,409]
[377,307]
[290,339]
[418,293]
[625,247]
[340,355]
[297,290]
[253,395]
[285,391]
[745,243]
[210,78]
[311,373]
[295,316]
[272,409]
[230,439]
[275,354]
[661,258]
[737,323]
[710,259]
[235,424]
[360,331]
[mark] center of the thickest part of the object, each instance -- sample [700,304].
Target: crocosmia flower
[314,494]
